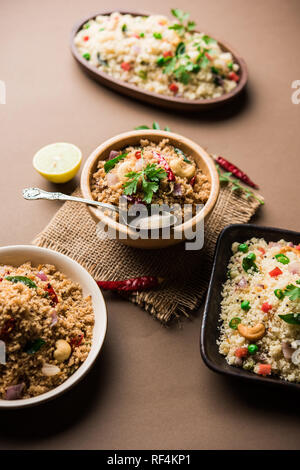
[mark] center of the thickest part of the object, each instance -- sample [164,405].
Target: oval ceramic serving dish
[155,98]
[19,254]
[201,157]
[209,331]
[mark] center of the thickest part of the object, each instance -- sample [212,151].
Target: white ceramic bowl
[16,255]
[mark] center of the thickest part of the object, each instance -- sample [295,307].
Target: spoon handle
[32,194]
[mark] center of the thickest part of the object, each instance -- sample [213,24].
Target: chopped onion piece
[42,276]
[177,191]
[54,318]
[14,391]
[287,350]
[294,267]
[2,352]
[139,165]
[50,370]
[296,357]
[113,154]
[243,283]
[112,179]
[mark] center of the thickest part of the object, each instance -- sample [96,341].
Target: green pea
[234,322]
[279,294]
[86,56]
[251,257]
[243,247]
[245,305]
[252,349]
[282,258]
[160,61]
[142,35]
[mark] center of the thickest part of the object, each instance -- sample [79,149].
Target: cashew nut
[63,350]
[180,168]
[253,333]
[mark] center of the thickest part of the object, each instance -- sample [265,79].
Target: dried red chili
[192,181]
[7,328]
[52,294]
[76,341]
[133,284]
[226,165]
[165,164]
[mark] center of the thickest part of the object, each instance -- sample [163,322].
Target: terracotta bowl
[157,99]
[201,157]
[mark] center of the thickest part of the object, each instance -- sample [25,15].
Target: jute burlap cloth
[73,232]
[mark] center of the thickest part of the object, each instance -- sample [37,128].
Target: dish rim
[139,134]
[160,98]
[98,334]
[236,371]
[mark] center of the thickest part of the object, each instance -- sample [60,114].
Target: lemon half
[58,162]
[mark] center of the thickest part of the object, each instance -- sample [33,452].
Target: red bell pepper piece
[275,272]
[126,66]
[266,307]
[233,76]
[264,369]
[241,352]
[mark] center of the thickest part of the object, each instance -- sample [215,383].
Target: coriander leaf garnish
[149,177]
[110,164]
[191,25]
[293,292]
[208,40]
[181,28]
[180,14]
[155,125]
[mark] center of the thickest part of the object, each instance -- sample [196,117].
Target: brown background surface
[149,388]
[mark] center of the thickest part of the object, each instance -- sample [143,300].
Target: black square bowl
[209,330]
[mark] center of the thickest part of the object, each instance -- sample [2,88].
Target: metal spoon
[163,220]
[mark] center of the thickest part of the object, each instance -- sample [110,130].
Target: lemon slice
[58,162]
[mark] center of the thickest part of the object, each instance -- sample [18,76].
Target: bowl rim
[147,133]
[97,341]
[235,372]
[162,98]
